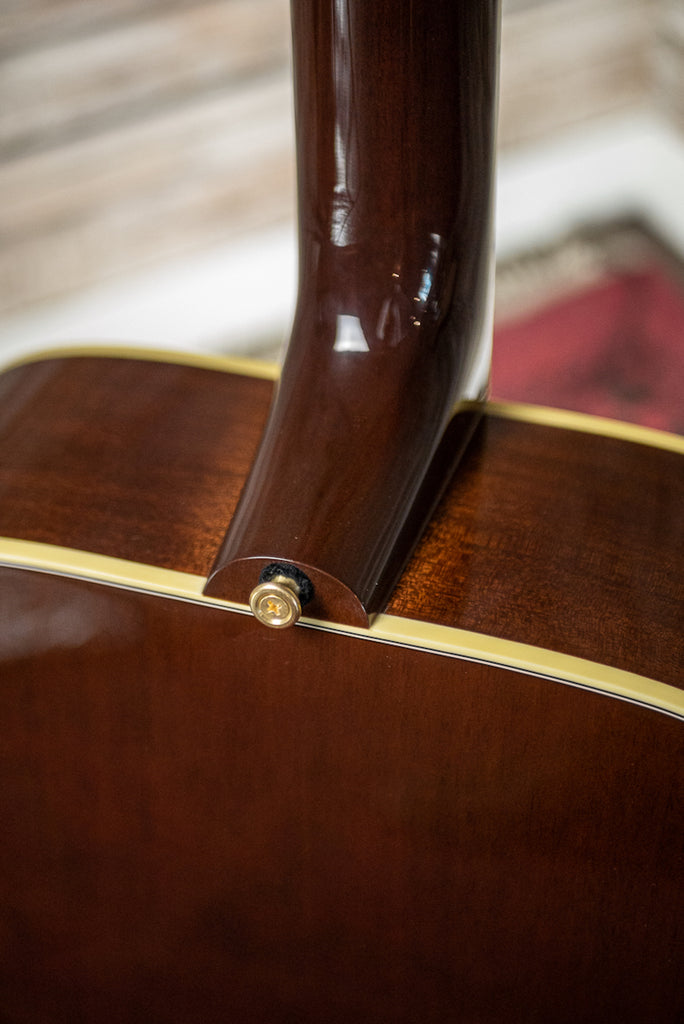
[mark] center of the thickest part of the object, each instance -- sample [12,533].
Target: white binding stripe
[240,365]
[442,640]
[565,419]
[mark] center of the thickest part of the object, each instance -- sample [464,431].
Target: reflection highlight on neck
[345,190]
[349,335]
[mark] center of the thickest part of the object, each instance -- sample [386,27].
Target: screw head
[276,603]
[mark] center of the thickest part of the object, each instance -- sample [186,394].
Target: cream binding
[439,640]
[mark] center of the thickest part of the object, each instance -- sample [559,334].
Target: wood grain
[166,127]
[168,449]
[134,133]
[559,540]
[545,536]
[568,61]
[119,67]
[669,60]
[204,821]
[391,326]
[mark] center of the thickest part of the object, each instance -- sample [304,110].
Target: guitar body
[470,812]
[453,790]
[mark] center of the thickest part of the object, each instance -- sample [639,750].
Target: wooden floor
[134,132]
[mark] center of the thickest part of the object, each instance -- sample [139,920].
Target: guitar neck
[395,111]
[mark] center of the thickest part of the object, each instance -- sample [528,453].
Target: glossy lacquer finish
[395,107]
[559,538]
[206,822]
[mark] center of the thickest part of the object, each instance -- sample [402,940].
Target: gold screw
[276,603]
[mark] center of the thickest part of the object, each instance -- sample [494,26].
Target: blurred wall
[132,131]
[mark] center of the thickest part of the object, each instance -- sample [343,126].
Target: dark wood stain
[556,538]
[142,460]
[205,821]
[569,541]
[394,192]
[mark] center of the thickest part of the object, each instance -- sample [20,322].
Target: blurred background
[147,183]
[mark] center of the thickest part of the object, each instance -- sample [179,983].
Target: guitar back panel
[204,820]
[561,538]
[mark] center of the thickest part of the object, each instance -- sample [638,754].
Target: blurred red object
[613,348]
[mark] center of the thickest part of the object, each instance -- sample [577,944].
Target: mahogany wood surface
[544,535]
[145,460]
[395,112]
[205,821]
[571,540]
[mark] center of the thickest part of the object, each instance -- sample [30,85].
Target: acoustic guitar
[338,694]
